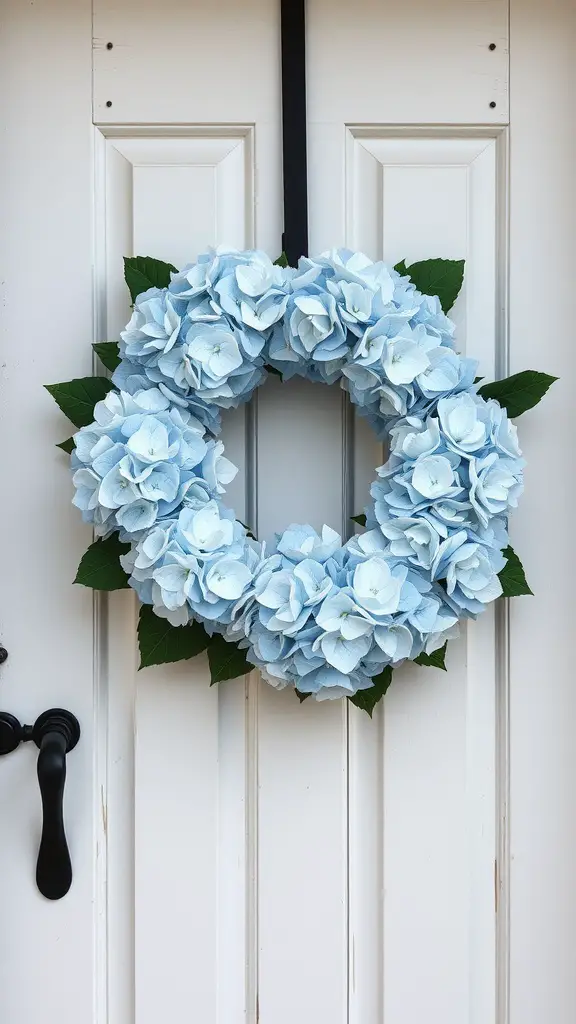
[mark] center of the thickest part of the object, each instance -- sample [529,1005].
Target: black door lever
[56,732]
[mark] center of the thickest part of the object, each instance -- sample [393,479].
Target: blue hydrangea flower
[459,466]
[244,285]
[442,500]
[325,618]
[495,485]
[203,336]
[470,570]
[413,539]
[302,542]
[333,299]
[153,328]
[429,313]
[401,368]
[141,459]
[217,362]
[128,377]
[198,564]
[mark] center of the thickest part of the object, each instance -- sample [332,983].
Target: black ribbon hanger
[294,154]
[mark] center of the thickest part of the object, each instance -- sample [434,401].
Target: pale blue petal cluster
[199,563]
[204,335]
[443,498]
[402,367]
[312,613]
[129,377]
[326,619]
[141,459]
[348,317]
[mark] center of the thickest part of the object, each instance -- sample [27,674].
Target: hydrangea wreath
[325,618]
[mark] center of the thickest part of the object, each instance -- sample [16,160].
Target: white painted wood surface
[542,922]
[46,951]
[239,857]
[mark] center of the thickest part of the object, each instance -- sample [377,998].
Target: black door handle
[56,732]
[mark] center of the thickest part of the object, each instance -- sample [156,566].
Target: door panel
[46,950]
[170,193]
[542,924]
[238,856]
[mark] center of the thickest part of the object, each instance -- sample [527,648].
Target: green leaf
[302,696]
[435,660]
[77,398]
[361,519]
[282,260]
[161,643]
[227,660]
[439,277]
[273,369]
[367,700]
[519,392]
[248,530]
[143,272]
[512,576]
[67,445]
[108,353]
[100,566]
[401,268]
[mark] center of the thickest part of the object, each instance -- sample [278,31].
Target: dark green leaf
[512,576]
[282,260]
[144,272]
[367,700]
[302,696]
[161,643]
[478,379]
[361,519]
[519,392]
[67,445]
[227,660]
[77,398]
[273,369]
[435,660]
[401,268]
[108,353]
[100,566]
[439,277]
[248,530]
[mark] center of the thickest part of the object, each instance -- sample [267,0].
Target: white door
[239,857]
